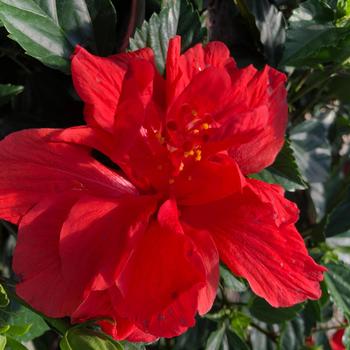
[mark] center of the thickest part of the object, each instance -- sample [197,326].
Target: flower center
[184,138]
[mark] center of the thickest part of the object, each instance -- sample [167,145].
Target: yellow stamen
[160,138]
[205,126]
[198,155]
[189,153]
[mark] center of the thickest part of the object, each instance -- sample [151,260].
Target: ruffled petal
[37,262]
[148,170]
[248,115]
[203,96]
[256,239]
[37,167]
[336,341]
[180,69]
[208,180]
[100,233]
[99,81]
[101,304]
[258,136]
[168,217]
[136,95]
[134,122]
[167,304]
[206,248]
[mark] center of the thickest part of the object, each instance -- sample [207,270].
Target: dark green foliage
[177,17]
[284,171]
[309,40]
[264,312]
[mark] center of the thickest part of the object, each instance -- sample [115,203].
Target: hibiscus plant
[175,174]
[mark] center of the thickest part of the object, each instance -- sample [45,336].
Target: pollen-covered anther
[198,155]
[205,126]
[160,138]
[189,153]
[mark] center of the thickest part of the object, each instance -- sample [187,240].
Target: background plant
[309,40]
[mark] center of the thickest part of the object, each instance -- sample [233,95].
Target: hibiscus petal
[149,169]
[167,304]
[207,250]
[180,69]
[257,118]
[37,262]
[100,304]
[168,217]
[249,114]
[256,239]
[135,97]
[199,97]
[98,236]
[37,168]
[208,180]
[336,341]
[99,80]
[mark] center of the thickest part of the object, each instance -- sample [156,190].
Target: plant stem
[270,335]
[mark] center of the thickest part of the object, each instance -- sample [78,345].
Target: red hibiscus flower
[139,241]
[336,342]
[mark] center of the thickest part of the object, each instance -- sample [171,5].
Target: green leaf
[26,324]
[197,336]
[78,338]
[7,91]
[309,141]
[199,4]
[263,311]
[235,342]
[262,341]
[239,322]
[61,325]
[2,342]
[338,222]
[312,150]
[230,281]
[269,23]
[337,279]
[312,37]
[18,330]
[215,339]
[284,171]
[177,17]
[311,315]
[49,30]
[189,26]
[4,327]
[321,339]
[293,336]
[103,19]
[13,344]
[4,300]
[132,346]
